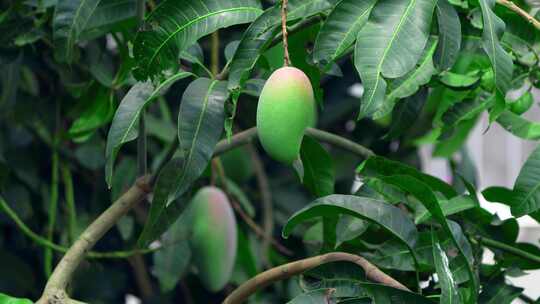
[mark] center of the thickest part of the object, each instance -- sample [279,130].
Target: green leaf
[449,35]
[378,166]
[124,127]
[496,291]
[449,145]
[98,112]
[315,297]
[406,113]
[407,85]
[340,29]
[258,36]
[449,288]
[519,126]
[459,81]
[5,299]
[175,25]
[390,45]
[161,216]
[200,125]
[318,169]
[69,21]
[500,59]
[527,186]
[385,294]
[110,15]
[10,80]
[454,205]
[172,261]
[391,218]
[426,196]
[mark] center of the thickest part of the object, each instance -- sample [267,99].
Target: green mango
[214,237]
[286,108]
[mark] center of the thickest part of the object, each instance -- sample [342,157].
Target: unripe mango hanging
[286,108]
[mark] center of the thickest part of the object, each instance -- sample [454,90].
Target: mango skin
[286,108]
[214,237]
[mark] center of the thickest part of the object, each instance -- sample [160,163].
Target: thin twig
[53,206]
[507,248]
[214,53]
[285,271]
[286,58]
[518,10]
[69,196]
[245,217]
[266,199]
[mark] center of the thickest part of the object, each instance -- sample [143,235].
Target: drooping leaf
[519,126]
[389,46]
[449,288]
[340,29]
[500,59]
[452,206]
[378,166]
[5,299]
[110,15]
[69,21]
[408,84]
[258,36]
[391,218]
[200,125]
[318,169]
[406,113]
[161,216]
[174,25]
[496,291]
[98,112]
[450,144]
[449,35]
[124,127]
[426,196]
[527,186]
[172,261]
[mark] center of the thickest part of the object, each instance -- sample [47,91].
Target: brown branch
[61,276]
[266,199]
[518,10]
[55,289]
[286,58]
[285,271]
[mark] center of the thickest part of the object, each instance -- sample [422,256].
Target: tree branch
[285,271]
[56,286]
[505,247]
[518,10]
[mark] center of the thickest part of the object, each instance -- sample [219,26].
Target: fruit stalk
[286,58]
